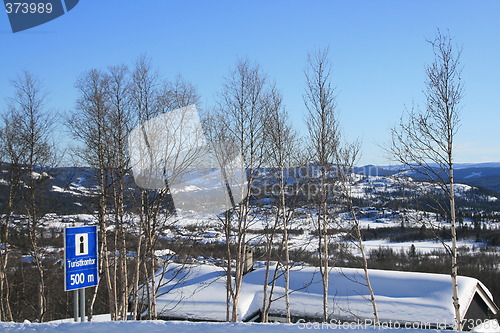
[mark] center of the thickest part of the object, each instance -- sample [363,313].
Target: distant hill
[73,190]
[485,175]
[489,181]
[477,165]
[374,170]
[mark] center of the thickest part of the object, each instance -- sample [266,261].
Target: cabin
[418,300]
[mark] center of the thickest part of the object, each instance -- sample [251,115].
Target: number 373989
[28,8]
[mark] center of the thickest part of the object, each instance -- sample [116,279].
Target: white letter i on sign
[81,244]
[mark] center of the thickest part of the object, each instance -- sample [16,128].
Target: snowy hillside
[486,175]
[73,190]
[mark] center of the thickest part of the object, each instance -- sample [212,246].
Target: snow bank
[186,327]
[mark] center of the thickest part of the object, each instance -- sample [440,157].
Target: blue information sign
[80,258]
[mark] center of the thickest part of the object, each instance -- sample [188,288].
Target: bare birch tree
[11,149]
[345,161]
[424,140]
[150,98]
[90,126]
[145,82]
[322,124]
[120,120]
[215,132]
[32,135]
[281,150]
[241,105]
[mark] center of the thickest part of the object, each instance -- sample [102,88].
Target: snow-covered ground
[207,228]
[424,247]
[187,327]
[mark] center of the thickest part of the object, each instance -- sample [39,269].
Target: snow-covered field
[207,228]
[424,247]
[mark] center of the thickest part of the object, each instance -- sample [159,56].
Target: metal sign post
[75,305]
[80,264]
[82,305]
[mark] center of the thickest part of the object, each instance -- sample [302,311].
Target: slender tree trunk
[152,268]
[238,275]
[37,257]
[325,272]
[104,238]
[229,280]
[124,277]
[115,258]
[267,299]
[365,265]
[267,310]
[265,313]
[148,286]
[93,296]
[6,311]
[42,300]
[135,281]
[241,249]
[153,285]
[124,292]
[287,260]
[454,257]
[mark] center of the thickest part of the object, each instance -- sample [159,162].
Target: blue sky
[377,49]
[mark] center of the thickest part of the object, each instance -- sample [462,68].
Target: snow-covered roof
[191,291]
[199,292]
